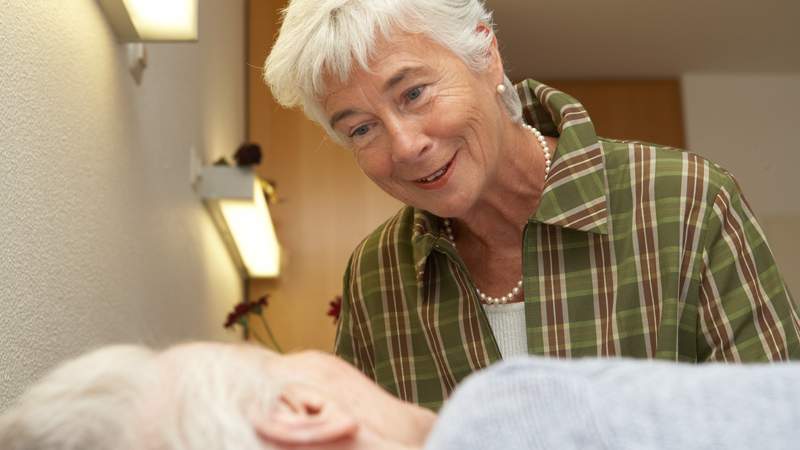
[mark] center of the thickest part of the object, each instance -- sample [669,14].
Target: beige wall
[748,123]
[103,239]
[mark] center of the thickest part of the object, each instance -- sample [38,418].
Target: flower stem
[260,340]
[269,332]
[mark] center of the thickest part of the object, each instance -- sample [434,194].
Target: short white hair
[84,404]
[121,398]
[326,37]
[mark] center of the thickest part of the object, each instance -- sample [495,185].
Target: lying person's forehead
[210,346]
[233,357]
[215,353]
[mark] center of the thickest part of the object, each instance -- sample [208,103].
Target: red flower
[231,320]
[241,310]
[248,154]
[258,305]
[335,308]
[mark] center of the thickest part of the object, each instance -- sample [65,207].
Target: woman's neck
[497,219]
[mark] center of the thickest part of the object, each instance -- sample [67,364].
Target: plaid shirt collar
[575,193]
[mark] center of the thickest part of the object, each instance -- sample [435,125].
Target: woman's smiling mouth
[437,179]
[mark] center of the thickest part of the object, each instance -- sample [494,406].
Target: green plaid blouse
[636,250]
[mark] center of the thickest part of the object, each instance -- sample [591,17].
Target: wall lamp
[237,204]
[152,20]
[138,21]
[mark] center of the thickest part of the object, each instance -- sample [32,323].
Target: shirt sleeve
[745,310]
[351,340]
[343,345]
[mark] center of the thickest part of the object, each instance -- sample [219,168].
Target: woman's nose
[408,141]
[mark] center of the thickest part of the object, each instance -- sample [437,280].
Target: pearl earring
[501,89]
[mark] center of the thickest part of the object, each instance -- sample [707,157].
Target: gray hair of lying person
[319,38]
[115,398]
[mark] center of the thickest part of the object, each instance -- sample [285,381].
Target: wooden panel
[646,110]
[328,207]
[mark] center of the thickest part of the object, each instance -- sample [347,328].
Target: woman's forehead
[388,57]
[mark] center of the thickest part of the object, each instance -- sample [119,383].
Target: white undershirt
[508,325]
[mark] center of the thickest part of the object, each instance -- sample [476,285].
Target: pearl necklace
[502,300]
[545,148]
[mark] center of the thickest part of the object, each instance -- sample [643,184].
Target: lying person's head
[209,396]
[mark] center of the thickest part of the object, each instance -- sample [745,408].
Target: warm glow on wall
[153,20]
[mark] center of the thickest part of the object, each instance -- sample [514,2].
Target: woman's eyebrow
[341,115]
[400,75]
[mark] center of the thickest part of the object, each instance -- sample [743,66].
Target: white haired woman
[524,231]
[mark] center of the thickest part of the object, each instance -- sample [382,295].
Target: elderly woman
[524,232]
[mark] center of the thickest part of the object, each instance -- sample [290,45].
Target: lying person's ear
[302,415]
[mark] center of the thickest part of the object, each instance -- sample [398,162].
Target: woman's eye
[360,131]
[414,94]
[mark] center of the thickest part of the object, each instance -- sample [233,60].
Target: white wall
[103,239]
[748,123]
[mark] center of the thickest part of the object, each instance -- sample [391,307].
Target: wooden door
[645,110]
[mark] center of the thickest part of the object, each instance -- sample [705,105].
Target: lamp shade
[152,20]
[236,202]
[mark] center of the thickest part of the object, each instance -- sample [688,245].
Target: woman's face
[422,125]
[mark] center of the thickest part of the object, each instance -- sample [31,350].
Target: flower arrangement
[242,314]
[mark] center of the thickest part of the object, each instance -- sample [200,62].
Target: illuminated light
[171,20]
[254,235]
[235,199]
[153,20]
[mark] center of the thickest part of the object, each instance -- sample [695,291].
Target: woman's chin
[452,202]
[450,209]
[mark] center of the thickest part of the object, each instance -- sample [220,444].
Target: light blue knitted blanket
[536,403]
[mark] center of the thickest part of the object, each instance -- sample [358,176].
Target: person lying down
[226,396]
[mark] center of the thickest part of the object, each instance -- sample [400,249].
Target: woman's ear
[495,61]
[483,28]
[303,416]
